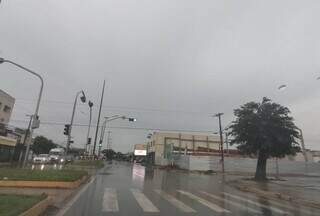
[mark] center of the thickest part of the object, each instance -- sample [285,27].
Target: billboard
[140,152]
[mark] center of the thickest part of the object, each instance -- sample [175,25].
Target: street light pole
[25,137]
[89,127]
[83,99]
[35,116]
[221,140]
[104,126]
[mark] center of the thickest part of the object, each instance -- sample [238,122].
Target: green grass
[89,163]
[12,205]
[41,175]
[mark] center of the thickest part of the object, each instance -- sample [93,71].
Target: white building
[162,146]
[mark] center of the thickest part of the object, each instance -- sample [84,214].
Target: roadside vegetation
[264,130]
[13,205]
[41,175]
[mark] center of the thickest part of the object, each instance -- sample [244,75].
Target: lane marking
[232,203]
[177,203]
[110,200]
[256,204]
[66,208]
[204,202]
[143,201]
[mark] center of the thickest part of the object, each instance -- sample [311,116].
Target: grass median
[41,175]
[88,163]
[12,205]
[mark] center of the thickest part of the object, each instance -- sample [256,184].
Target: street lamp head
[218,114]
[83,97]
[132,119]
[90,104]
[282,87]
[1,60]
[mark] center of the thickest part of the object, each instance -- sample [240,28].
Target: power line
[120,127]
[123,107]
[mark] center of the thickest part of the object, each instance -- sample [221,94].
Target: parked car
[41,159]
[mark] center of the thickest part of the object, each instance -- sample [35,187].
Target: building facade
[6,107]
[7,142]
[163,146]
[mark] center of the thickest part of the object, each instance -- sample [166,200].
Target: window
[6,108]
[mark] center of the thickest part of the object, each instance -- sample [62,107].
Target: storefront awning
[6,141]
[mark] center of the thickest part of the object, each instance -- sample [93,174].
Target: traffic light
[132,120]
[89,141]
[66,129]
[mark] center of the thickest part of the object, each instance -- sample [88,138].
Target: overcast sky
[169,63]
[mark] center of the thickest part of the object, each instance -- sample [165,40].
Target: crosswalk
[220,203]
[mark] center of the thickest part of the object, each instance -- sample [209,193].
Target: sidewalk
[301,190]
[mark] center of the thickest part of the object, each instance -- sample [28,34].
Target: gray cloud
[169,63]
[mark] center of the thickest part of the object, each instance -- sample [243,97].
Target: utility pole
[227,142]
[221,140]
[98,122]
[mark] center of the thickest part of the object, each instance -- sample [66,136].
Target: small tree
[266,130]
[42,145]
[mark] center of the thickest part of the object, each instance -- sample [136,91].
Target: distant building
[7,141]
[162,146]
[6,106]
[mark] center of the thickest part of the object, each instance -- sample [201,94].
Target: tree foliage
[42,145]
[266,130]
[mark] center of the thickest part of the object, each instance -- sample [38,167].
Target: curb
[38,208]
[44,184]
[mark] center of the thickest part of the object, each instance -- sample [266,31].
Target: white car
[41,159]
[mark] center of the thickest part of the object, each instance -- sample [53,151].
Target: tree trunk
[261,170]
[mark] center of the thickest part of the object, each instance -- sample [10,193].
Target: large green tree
[265,130]
[42,145]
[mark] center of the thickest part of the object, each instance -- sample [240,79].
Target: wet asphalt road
[123,189]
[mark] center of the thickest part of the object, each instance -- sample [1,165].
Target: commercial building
[7,141]
[162,147]
[6,107]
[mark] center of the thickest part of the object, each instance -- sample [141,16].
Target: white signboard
[140,152]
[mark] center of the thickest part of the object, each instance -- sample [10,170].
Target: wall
[247,165]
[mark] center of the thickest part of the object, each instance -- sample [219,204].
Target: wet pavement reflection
[47,166]
[135,190]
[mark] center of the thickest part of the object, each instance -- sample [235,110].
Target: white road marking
[257,204]
[204,202]
[143,201]
[177,203]
[110,200]
[65,209]
[232,203]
